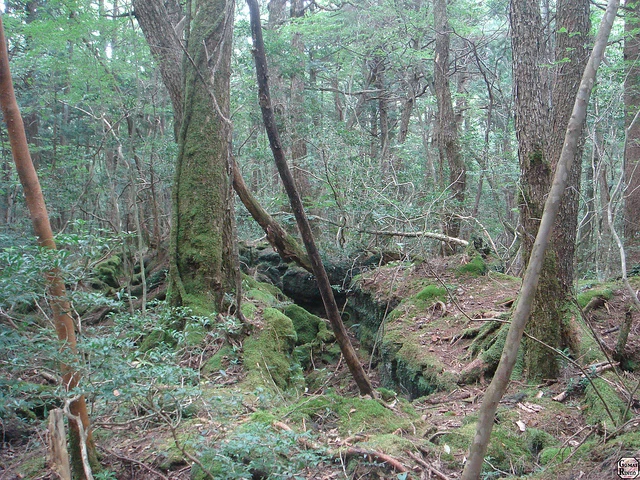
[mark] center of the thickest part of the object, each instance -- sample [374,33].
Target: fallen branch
[436,236]
[591,370]
[157,473]
[349,452]
[431,469]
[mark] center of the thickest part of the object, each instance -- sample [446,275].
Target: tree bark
[60,306]
[447,129]
[161,23]
[151,14]
[501,378]
[632,144]
[531,120]
[203,253]
[324,285]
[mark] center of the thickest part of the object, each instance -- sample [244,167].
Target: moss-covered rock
[351,415]
[108,271]
[432,293]
[267,353]
[306,324]
[219,361]
[604,406]
[586,296]
[155,338]
[476,267]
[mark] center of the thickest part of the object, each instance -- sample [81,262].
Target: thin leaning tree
[500,380]
[268,117]
[83,451]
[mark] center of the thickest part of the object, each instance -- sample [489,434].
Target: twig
[83,436]
[137,462]
[426,465]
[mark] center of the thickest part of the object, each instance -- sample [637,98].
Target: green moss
[219,361]
[108,271]
[306,324]
[596,412]
[250,283]
[507,450]
[585,297]
[249,310]
[475,267]
[351,415]
[432,293]
[537,440]
[267,354]
[554,454]
[262,297]
[155,338]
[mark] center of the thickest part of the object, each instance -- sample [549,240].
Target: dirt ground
[138,448]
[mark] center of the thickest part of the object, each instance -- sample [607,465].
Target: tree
[82,446]
[632,145]
[447,127]
[203,257]
[538,150]
[532,275]
[331,308]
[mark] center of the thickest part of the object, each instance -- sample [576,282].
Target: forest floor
[245,422]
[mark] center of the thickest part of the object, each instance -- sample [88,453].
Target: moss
[267,354]
[596,412]
[219,361]
[554,454]
[306,324]
[537,440]
[585,297]
[475,268]
[108,270]
[155,338]
[432,293]
[249,310]
[261,296]
[250,283]
[507,450]
[351,415]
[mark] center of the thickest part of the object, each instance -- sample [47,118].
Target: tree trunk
[531,120]
[65,328]
[447,129]
[351,359]
[632,145]
[203,257]
[525,300]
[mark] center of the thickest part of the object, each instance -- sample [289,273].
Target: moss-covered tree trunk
[447,132]
[204,264]
[539,150]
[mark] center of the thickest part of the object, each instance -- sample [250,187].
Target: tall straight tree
[539,148]
[204,262]
[523,311]
[632,145]
[82,447]
[447,137]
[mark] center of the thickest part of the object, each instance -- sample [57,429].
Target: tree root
[350,451]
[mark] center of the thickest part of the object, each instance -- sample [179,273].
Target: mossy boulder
[351,415]
[508,450]
[267,353]
[155,339]
[219,361]
[604,406]
[309,328]
[108,271]
[476,267]
[432,293]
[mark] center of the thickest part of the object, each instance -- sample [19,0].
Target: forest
[319,239]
